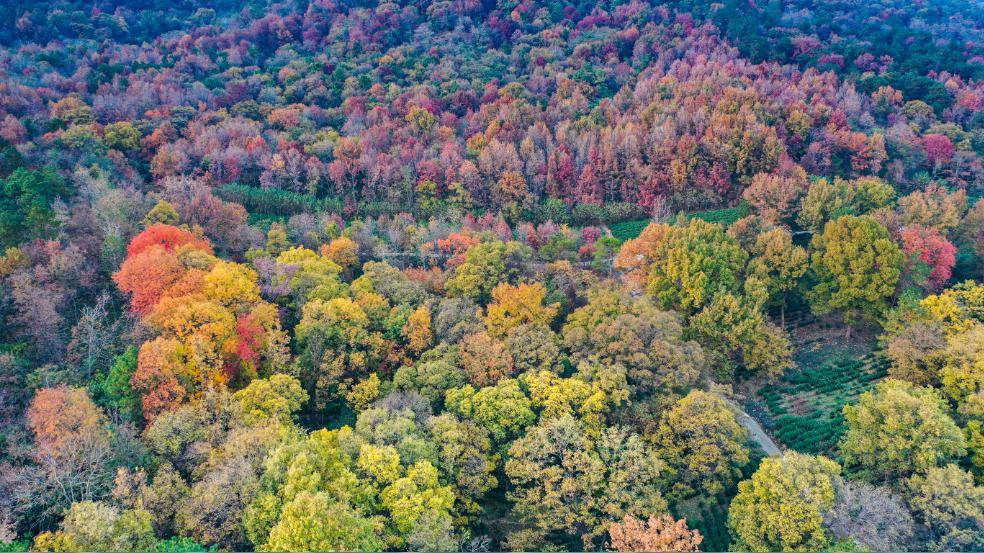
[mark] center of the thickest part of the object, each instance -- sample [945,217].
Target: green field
[627,230]
[724,216]
[804,409]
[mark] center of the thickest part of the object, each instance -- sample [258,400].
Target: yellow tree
[782,506]
[857,268]
[513,306]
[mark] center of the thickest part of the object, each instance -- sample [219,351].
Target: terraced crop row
[805,408]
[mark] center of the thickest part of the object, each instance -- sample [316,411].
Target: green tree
[703,444]
[465,454]
[276,398]
[163,213]
[25,204]
[114,391]
[826,201]
[503,409]
[899,429]
[314,522]
[566,486]
[315,466]
[617,329]
[857,268]
[337,347]
[487,265]
[436,372]
[96,526]
[948,502]
[779,264]
[734,329]
[121,135]
[694,263]
[782,506]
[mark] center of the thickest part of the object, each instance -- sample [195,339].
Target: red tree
[167,236]
[927,245]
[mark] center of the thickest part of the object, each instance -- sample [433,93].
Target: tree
[962,371]
[694,263]
[703,444]
[777,196]
[313,522]
[827,201]
[951,505]
[914,350]
[503,409]
[165,372]
[408,498]
[779,264]
[930,257]
[147,275]
[26,199]
[178,544]
[121,135]
[436,372]
[565,483]
[734,329]
[934,207]
[535,347]
[115,391]
[166,236]
[617,329]
[417,331]
[465,454]
[337,347]
[486,265]
[870,516]
[939,149]
[553,396]
[635,257]
[856,267]
[659,533]
[782,506]
[485,359]
[92,526]
[73,448]
[513,306]
[316,470]
[342,251]
[897,430]
[276,398]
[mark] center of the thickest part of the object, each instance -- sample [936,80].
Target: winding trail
[759,435]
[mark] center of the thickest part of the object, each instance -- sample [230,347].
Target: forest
[491,275]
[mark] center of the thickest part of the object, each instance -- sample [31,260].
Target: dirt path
[759,435]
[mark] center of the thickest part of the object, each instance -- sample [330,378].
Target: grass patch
[627,230]
[724,216]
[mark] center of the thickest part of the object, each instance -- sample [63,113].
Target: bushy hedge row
[274,201]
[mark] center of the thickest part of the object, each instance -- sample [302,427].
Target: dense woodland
[471,275]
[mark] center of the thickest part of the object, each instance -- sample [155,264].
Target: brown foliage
[660,533]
